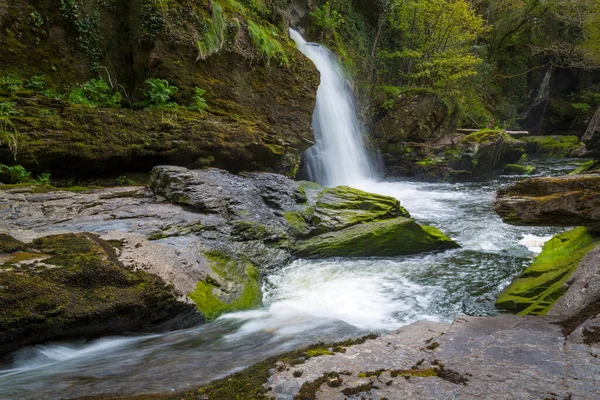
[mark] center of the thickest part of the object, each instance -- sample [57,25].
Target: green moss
[267,43]
[86,286]
[390,237]
[516,169]
[249,383]
[540,285]
[207,295]
[484,136]
[8,244]
[556,146]
[297,223]
[587,166]
[213,39]
[318,352]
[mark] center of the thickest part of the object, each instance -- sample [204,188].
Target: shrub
[159,95]
[7,108]
[37,82]
[263,40]
[44,178]
[15,173]
[95,93]
[199,103]
[10,83]
[213,37]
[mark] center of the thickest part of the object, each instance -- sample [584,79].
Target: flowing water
[308,300]
[305,302]
[339,157]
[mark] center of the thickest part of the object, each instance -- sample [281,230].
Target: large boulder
[555,146]
[552,201]
[463,156]
[73,285]
[537,289]
[390,237]
[591,137]
[260,90]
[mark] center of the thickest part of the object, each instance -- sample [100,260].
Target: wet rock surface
[553,201]
[473,358]
[73,285]
[208,233]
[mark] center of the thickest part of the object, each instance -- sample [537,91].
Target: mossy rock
[540,285]
[391,237]
[555,146]
[588,166]
[233,285]
[8,244]
[343,206]
[80,289]
[516,169]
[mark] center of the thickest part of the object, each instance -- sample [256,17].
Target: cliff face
[260,91]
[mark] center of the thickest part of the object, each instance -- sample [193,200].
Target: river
[306,302]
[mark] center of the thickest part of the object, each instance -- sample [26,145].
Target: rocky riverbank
[208,234]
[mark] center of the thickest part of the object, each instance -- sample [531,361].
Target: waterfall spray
[339,156]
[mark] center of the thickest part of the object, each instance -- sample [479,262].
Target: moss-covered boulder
[552,201]
[460,156]
[233,285]
[73,285]
[390,237]
[518,169]
[556,146]
[541,285]
[343,206]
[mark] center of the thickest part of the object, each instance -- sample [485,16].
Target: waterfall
[339,156]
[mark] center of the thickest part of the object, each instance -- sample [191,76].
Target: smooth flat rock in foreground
[505,357]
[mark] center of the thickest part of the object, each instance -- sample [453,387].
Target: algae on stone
[234,285]
[390,237]
[556,146]
[540,285]
[79,288]
[343,206]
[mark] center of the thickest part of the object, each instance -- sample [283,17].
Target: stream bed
[306,302]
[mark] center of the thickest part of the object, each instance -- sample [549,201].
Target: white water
[339,156]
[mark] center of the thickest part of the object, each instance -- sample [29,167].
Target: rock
[343,206]
[588,166]
[536,290]
[416,116]
[591,137]
[486,151]
[581,298]
[209,233]
[555,146]
[551,201]
[516,169]
[473,358]
[73,285]
[389,237]
[260,103]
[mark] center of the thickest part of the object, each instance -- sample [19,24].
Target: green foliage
[152,21]
[36,19]
[88,30]
[265,41]
[199,103]
[95,93]
[327,18]
[15,173]
[213,39]
[432,45]
[44,178]
[10,83]
[160,94]
[121,180]
[52,94]
[36,82]
[7,108]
